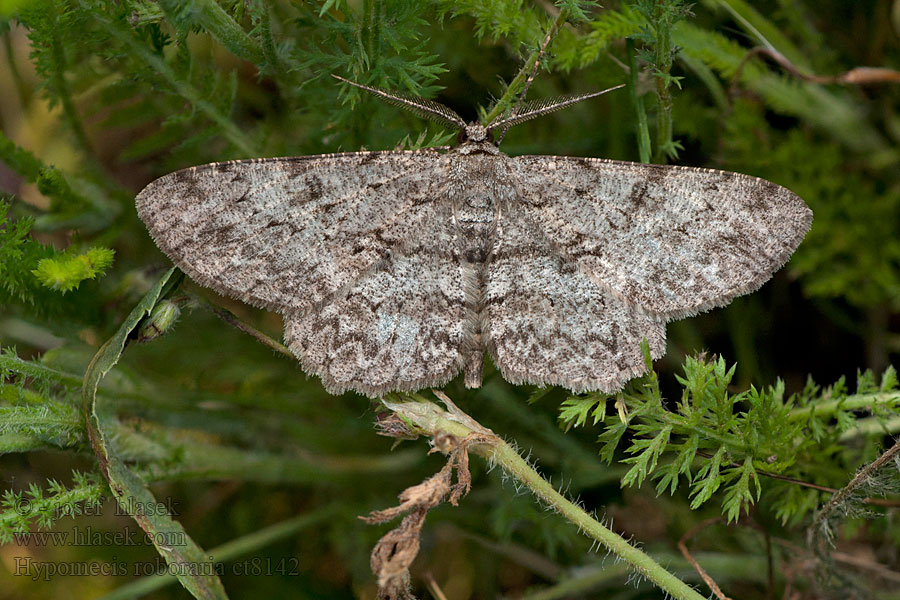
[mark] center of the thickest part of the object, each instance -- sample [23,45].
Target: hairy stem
[854,402]
[519,80]
[272,63]
[637,102]
[225,30]
[818,527]
[872,426]
[663,60]
[30,507]
[427,418]
[820,533]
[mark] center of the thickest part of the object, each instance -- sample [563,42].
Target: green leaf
[645,462]
[889,380]
[574,410]
[190,563]
[668,474]
[66,272]
[708,479]
[739,495]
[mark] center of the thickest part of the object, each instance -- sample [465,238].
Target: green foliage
[50,182]
[852,252]
[659,52]
[609,26]
[575,410]
[66,272]
[32,274]
[514,20]
[717,441]
[19,511]
[15,249]
[366,44]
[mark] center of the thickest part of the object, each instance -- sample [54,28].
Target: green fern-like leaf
[20,510]
[65,273]
[708,479]
[648,452]
[575,410]
[738,495]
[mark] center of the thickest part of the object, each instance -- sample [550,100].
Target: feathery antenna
[427,109]
[537,108]
[437,112]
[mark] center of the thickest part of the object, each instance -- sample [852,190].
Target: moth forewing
[397,270]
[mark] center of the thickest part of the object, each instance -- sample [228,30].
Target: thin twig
[230,318]
[844,493]
[822,488]
[433,587]
[819,533]
[537,63]
[886,502]
[856,76]
[682,546]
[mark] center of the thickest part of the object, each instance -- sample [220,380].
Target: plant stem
[230,130]
[51,503]
[854,402]
[22,92]
[663,47]
[426,418]
[229,317]
[680,424]
[267,43]
[819,533]
[61,86]
[524,73]
[637,102]
[226,31]
[598,582]
[872,426]
[242,546]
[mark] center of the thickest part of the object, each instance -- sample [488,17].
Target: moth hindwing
[397,270]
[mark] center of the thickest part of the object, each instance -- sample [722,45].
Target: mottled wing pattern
[673,240]
[548,323]
[400,327]
[288,233]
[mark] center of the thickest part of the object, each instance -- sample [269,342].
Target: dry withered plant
[396,550]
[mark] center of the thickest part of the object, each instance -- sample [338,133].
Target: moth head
[474,132]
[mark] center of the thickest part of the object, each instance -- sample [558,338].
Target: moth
[396,270]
